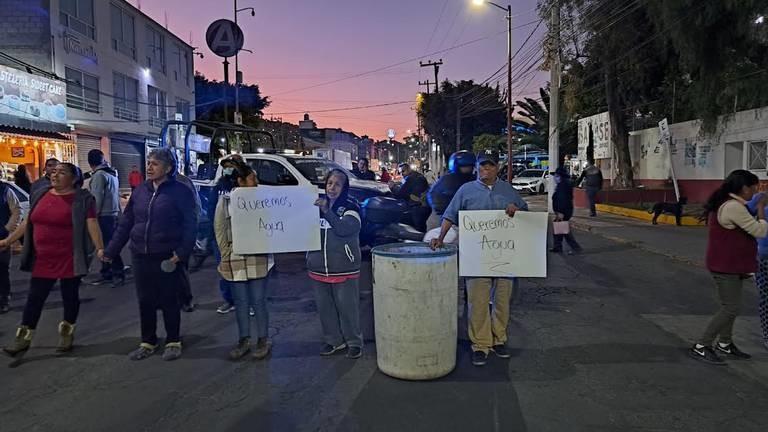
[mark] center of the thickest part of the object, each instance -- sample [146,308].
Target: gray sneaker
[144,350]
[172,351]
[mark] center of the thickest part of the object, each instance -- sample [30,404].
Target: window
[123,32]
[758,157]
[155,50]
[82,91]
[185,67]
[126,97]
[78,16]
[272,173]
[183,107]
[158,113]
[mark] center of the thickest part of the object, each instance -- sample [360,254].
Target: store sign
[72,44]
[31,97]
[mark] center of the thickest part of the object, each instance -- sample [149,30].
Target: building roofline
[136,10]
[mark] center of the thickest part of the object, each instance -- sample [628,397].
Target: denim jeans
[339,308]
[114,269]
[591,197]
[251,294]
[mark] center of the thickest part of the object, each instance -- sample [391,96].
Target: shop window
[758,155]
[183,107]
[78,16]
[82,91]
[123,32]
[126,97]
[155,50]
[158,112]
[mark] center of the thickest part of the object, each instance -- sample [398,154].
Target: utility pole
[237,76]
[458,125]
[435,65]
[224,91]
[509,93]
[554,98]
[427,83]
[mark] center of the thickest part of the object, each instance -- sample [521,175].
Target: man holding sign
[487,333]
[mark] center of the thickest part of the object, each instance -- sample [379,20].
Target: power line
[343,109]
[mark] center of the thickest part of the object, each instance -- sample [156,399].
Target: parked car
[532,181]
[22,196]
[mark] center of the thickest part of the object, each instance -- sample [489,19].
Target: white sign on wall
[491,244]
[274,219]
[601,136]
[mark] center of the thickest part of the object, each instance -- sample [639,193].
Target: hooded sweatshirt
[106,189]
[339,253]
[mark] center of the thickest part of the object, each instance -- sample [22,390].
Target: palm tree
[534,125]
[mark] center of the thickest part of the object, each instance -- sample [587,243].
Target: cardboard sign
[274,219]
[491,244]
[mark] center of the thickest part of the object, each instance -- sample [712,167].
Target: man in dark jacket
[413,191]
[10,216]
[106,189]
[44,182]
[562,204]
[362,172]
[594,183]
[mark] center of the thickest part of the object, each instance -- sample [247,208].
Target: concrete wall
[25,31]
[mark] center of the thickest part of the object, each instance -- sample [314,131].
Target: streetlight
[508,10]
[760,19]
[237,68]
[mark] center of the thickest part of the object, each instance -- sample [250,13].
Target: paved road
[598,346]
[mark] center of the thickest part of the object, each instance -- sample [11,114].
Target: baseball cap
[488,157]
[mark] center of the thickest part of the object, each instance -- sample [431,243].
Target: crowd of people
[68,225]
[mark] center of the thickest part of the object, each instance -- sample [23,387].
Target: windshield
[315,170]
[531,173]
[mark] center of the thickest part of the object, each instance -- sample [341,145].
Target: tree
[486,142]
[533,128]
[209,101]
[476,109]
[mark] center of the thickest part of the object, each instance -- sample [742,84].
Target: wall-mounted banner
[274,219]
[491,244]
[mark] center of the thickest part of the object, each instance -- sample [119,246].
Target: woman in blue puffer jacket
[160,222]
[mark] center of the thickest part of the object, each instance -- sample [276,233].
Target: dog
[669,208]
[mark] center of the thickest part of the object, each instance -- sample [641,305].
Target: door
[734,157]
[86,143]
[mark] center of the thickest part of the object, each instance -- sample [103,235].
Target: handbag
[561,227]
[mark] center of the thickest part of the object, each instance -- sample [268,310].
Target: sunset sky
[298,44]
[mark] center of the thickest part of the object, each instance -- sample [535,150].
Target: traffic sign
[224,38]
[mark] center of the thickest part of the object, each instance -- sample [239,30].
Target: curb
[648,217]
[635,244]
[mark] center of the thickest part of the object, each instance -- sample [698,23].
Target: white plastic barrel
[415,309]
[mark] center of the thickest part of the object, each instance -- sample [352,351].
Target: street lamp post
[237,66]
[508,10]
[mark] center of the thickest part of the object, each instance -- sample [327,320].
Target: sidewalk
[686,244]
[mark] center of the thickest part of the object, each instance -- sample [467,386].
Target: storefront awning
[33,134]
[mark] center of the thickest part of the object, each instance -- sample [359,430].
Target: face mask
[558,179]
[228,171]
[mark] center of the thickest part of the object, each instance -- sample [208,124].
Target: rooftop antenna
[166,19]
[138,4]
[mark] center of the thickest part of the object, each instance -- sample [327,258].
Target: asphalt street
[597,346]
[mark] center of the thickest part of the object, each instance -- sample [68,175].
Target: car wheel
[542,189]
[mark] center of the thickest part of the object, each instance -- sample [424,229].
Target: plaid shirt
[233,267]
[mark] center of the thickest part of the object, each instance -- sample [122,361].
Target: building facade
[125,75]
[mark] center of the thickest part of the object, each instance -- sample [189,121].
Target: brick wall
[25,31]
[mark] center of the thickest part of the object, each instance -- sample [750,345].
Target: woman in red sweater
[731,252]
[60,235]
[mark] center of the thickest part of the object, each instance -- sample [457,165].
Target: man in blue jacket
[487,333]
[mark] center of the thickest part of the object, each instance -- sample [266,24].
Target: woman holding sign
[246,274]
[159,220]
[335,268]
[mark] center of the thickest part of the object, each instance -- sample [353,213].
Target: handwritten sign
[274,219]
[491,244]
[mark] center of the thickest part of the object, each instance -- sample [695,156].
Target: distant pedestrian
[562,204]
[488,332]
[335,268]
[362,172]
[61,232]
[593,178]
[159,220]
[731,252]
[105,188]
[429,175]
[135,178]
[762,271]
[44,182]
[21,178]
[247,275]
[413,191]
[10,216]
[385,176]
